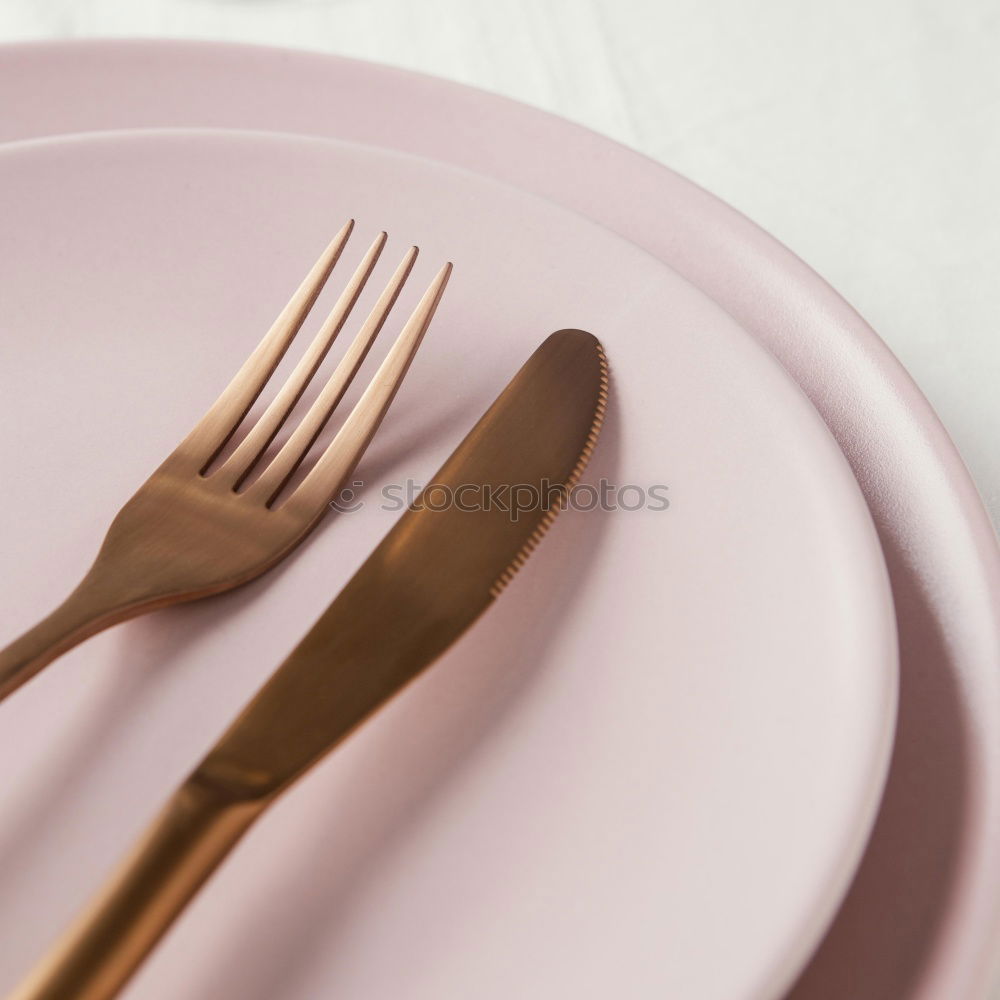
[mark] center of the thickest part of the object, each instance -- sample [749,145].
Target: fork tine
[238,466]
[340,457]
[217,426]
[273,479]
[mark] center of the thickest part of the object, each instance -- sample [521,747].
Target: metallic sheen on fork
[188,532]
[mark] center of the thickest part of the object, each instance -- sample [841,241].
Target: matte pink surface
[920,921]
[665,744]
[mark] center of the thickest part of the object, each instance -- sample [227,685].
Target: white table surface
[865,136]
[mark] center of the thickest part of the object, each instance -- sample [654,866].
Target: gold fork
[190,532]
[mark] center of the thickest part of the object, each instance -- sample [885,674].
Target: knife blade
[436,571]
[441,566]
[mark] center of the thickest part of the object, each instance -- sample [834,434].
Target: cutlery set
[207,521]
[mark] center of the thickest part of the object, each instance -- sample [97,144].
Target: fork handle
[95,605]
[185,844]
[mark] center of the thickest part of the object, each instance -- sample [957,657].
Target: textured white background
[864,135]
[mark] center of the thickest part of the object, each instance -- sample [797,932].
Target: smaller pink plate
[649,772]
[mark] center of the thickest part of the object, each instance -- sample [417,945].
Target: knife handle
[188,840]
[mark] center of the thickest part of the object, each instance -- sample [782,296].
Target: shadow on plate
[889,921]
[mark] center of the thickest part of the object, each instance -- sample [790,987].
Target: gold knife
[432,576]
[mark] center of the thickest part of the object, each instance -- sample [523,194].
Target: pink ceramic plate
[665,745]
[920,919]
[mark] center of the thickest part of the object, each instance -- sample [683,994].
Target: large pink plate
[921,919]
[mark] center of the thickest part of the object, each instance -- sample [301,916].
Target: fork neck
[93,606]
